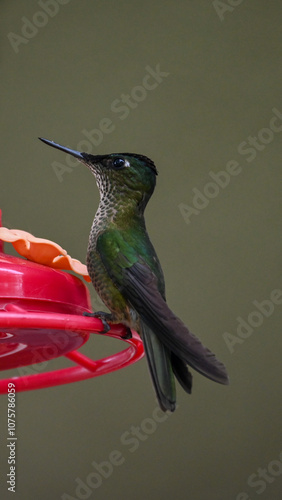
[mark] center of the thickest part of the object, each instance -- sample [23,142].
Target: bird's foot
[103,316]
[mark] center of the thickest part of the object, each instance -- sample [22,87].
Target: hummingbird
[126,273]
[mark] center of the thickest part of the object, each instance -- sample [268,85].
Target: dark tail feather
[140,285]
[182,373]
[158,357]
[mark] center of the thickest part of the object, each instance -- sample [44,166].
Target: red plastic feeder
[41,318]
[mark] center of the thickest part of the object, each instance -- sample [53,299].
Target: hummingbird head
[129,174]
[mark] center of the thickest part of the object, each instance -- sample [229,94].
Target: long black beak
[69,151]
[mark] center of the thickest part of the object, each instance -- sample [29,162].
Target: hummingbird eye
[120,163]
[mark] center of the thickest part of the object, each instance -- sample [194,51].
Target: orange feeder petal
[42,251]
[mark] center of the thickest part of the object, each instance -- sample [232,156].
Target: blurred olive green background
[223,78]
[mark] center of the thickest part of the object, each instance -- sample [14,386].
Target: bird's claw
[105,325]
[105,317]
[100,315]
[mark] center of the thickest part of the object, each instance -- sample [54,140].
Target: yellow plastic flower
[42,251]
